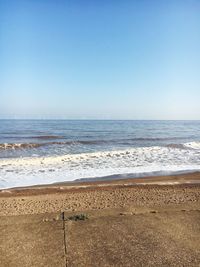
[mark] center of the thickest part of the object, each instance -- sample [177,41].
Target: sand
[160,190]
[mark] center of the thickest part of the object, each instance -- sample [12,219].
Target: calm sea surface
[94,149]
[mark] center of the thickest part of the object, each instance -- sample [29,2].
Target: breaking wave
[13,146]
[6,146]
[193,145]
[137,161]
[180,146]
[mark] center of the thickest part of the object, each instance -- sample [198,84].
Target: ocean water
[48,151]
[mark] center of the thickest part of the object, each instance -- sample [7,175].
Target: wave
[46,137]
[154,138]
[13,146]
[137,139]
[193,145]
[179,146]
[18,146]
[189,145]
[137,161]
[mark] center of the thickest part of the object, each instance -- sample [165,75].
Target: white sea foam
[193,145]
[139,161]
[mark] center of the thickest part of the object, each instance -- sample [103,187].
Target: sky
[100,59]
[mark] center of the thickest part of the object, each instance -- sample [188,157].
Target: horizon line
[98,119]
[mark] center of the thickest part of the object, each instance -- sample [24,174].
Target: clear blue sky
[100,59]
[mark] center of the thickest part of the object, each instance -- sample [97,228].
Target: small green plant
[78,217]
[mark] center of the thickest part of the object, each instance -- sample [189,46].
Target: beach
[99,193]
[148,191]
[151,221]
[99,133]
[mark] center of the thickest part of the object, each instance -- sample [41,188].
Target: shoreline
[134,162]
[92,183]
[173,190]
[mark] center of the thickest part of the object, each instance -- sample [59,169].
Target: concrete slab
[34,240]
[135,237]
[128,239]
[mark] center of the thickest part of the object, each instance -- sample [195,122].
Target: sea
[50,151]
